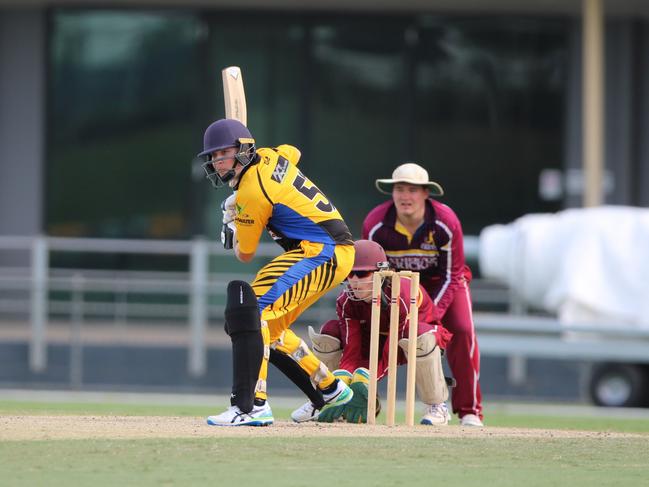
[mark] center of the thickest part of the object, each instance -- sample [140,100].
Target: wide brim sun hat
[409,173]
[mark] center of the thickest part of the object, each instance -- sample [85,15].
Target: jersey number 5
[312,192]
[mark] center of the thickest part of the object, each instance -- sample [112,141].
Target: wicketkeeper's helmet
[220,135]
[370,256]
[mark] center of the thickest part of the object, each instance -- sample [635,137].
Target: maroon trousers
[463,354]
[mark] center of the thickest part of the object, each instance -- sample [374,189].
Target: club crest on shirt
[429,242]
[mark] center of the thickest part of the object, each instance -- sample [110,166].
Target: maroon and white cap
[369,255]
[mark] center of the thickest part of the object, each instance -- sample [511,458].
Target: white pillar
[38,311]
[198,307]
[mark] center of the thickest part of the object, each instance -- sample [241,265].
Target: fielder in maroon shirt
[421,234]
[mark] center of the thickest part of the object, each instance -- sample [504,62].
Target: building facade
[102,106]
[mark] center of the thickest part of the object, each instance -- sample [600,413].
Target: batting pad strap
[301,352]
[279,342]
[320,374]
[296,350]
[260,386]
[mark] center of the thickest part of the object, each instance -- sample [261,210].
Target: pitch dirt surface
[17,428]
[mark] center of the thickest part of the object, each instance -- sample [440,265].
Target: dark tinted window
[478,101]
[123,100]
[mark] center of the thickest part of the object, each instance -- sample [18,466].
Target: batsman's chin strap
[234,184]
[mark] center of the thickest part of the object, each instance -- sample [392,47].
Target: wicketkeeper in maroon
[354,311]
[421,234]
[343,344]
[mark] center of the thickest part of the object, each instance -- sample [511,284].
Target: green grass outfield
[596,460]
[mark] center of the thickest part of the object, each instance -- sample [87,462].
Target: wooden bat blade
[234,94]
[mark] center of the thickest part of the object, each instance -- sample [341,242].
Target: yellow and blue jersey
[274,194]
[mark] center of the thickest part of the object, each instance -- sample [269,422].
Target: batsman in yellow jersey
[271,193]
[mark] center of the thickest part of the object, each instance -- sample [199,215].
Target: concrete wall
[22,121]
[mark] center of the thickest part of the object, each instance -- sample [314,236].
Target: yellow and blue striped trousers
[287,286]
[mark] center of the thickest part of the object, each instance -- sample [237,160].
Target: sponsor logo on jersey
[418,263]
[243,218]
[280,169]
[244,221]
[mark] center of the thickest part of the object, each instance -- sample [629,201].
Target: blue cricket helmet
[223,134]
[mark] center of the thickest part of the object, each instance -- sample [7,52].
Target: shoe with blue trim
[259,416]
[436,415]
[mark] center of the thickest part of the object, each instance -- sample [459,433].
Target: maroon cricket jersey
[436,250]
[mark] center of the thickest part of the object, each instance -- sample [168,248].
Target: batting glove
[228,235]
[228,228]
[229,208]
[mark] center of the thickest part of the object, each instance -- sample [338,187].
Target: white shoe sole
[472,425]
[428,422]
[256,422]
[313,418]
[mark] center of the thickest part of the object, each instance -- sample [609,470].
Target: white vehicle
[589,268]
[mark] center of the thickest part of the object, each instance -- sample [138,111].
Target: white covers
[587,265]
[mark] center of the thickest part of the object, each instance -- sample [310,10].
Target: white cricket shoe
[339,397]
[336,399]
[306,412]
[471,420]
[259,416]
[436,415]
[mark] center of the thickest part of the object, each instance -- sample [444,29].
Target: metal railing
[39,294]
[195,296]
[38,280]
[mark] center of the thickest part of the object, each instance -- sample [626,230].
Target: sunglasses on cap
[360,274]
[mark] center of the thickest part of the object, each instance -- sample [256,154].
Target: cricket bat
[234,94]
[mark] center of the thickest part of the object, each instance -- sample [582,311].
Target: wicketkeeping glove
[331,414]
[334,413]
[356,409]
